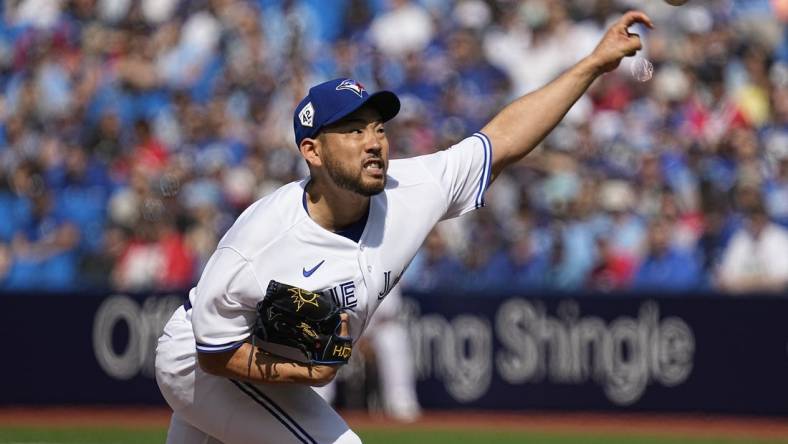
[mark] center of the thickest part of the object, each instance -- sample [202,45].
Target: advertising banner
[709,354]
[82,349]
[685,354]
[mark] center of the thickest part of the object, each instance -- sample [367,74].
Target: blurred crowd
[133,132]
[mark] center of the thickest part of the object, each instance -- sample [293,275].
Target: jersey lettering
[344,294]
[388,284]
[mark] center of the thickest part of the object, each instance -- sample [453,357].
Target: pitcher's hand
[618,42]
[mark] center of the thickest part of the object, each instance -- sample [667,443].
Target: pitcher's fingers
[632,17]
[634,40]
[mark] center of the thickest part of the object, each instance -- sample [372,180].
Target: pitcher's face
[355,152]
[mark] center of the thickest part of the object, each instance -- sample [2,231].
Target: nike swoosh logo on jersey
[309,272]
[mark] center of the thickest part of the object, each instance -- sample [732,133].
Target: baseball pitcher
[295,280]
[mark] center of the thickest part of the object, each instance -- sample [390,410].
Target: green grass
[512,437]
[370,436]
[91,435]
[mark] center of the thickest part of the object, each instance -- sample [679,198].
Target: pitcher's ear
[310,150]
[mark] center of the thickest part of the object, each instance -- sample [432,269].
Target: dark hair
[754,208]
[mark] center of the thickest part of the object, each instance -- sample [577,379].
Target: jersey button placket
[363,260]
[366,274]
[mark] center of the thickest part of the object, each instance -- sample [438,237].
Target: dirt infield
[568,423]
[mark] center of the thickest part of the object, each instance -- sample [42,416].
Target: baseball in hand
[676,2]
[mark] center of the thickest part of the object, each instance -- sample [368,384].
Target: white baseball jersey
[275,239]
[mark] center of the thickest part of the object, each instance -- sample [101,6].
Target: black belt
[187,305]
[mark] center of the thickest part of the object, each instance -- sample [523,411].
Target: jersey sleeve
[225,302]
[463,172]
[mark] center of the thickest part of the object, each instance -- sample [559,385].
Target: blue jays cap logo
[352,85]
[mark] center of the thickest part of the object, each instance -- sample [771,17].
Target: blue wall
[693,353]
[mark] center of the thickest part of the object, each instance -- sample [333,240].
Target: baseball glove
[300,325]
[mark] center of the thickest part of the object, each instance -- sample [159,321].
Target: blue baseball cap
[330,101]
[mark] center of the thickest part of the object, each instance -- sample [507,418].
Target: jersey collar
[353,231]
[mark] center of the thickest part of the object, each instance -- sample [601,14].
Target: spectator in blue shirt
[665,267]
[431,267]
[43,248]
[520,266]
